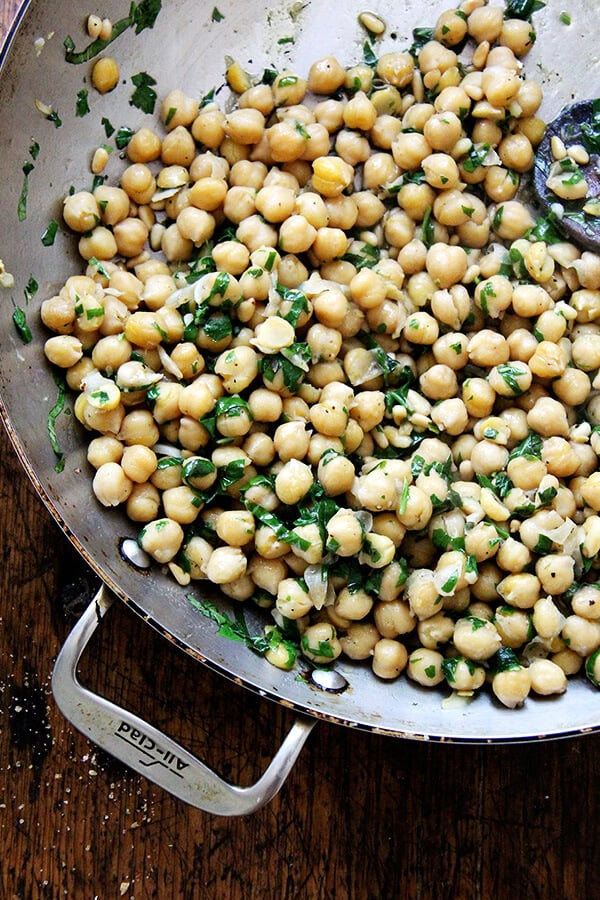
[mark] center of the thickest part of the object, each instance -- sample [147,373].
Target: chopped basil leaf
[234,629]
[50,234]
[522,9]
[20,323]
[427,228]
[499,483]
[497,220]
[546,496]
[123,136]
[217,328]
[369,57]
[109,128]
[196,467]
[504,660]
[450,665]
[280,364]
[217,15]
[404,497]
[22,204]
[323,648]
[443,541]
[543,546]
[590,667]
[421,36]
[546,228]
[82,106]
[367,257]
[144,97]
[590,131]
[282,533]
[530,448]
[298,301]
[30,289]
[231,473]
[510,374]
[52,417]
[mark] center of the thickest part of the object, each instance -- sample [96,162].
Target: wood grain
[361,816]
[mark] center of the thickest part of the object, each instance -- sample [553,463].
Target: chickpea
[359,640]
[446,265]
[293,481]
[390,658]
[586,602]
[226,565]
[513,626]
[335,473]
[162,538]
[547,677]
[547,618]
[319,643]
[512,686]
[521,590]
[425,667]
[105,74]
[463,675]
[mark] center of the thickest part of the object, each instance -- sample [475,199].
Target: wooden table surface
[361,815]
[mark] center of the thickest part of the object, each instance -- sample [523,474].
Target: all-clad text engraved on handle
[153,753]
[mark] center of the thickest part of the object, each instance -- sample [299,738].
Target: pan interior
[186,48]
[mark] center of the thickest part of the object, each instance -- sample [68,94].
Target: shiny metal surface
[186,48]
[151,752]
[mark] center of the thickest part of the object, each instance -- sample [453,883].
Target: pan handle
[150,752]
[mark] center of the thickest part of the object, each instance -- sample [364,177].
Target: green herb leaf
[590,131]
[298,303]
[234,629]
[547,228]
[427,228]
[281,531]
[123,136]
[421,36]
[217,15]
[20,323]
[109,128]
[369,56]
[82,107]
[144,96]
[30,289]
[590,667]
[499,483]
[22,204]
[503,660]
[49,234]
[530,448]
[323,648]
[522,9]
[54,413]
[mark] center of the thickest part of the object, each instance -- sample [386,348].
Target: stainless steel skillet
[186,48]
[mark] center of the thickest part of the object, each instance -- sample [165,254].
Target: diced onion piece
[458,700]
[168,364]
[320,591]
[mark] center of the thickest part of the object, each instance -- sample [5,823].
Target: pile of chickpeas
[328,364]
